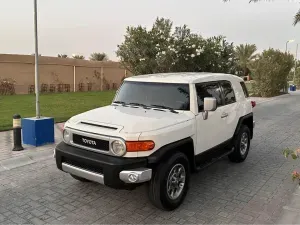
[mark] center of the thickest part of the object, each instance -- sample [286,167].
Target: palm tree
[98,56]
[62,56]
[245,54]
[296,17]
[78,57]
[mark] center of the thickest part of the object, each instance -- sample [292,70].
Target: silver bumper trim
[97,177]
[139,175]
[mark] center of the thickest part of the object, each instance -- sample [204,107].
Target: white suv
[158,129]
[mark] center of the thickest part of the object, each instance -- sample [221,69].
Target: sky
[86,26]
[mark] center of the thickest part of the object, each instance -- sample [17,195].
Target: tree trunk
[245,71]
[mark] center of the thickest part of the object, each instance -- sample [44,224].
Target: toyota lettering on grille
[90,142]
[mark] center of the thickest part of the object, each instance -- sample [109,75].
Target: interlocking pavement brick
[37,221]
[18,220]
[53,214]
[8,214]
[2,218]
[36,213]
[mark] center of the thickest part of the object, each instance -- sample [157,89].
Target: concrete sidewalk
[10,159]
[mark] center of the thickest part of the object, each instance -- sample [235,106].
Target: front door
[210,132]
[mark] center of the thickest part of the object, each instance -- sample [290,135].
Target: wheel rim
[244,143]
[176,181]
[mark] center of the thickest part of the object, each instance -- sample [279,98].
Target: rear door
[230,111]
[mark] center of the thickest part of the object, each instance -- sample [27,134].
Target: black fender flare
[242,121]
[160,154]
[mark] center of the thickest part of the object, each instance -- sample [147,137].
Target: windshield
[175,96]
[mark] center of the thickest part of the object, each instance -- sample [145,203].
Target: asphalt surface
[252,192]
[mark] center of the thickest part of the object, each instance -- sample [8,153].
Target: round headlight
[118,148]
[66,136]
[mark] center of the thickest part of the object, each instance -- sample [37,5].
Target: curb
[30,156]
[26,159]
[58,124]
[271,99]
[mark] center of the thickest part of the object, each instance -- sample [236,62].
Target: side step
[206,159]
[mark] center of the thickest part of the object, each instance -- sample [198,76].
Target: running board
[212,160]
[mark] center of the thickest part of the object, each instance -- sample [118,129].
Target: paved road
[251,192]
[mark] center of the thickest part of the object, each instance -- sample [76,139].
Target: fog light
[132,177]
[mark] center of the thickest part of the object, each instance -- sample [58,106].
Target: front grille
[83,165]
[91,142]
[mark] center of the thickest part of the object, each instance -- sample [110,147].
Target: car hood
[128,119]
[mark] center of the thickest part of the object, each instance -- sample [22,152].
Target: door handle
[224,115]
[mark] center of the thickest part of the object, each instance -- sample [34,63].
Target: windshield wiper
[164,107]
[138,104]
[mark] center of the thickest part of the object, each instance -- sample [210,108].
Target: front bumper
[111,171]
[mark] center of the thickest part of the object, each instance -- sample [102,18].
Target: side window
[228,92]
[208,90]
[244,89]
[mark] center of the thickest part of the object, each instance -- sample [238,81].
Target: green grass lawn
[61,106]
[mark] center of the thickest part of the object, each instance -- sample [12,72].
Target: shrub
[294,155]
[271,70]
[159,50]
[7,86]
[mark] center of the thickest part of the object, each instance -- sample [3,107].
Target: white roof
[183,77]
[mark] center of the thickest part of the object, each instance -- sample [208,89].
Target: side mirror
[210,104]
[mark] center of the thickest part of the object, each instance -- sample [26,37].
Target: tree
[158,50]
[245,56]
[62,56]
[271,70]
[296,17]
[98,56]
[143,51]
[78,56]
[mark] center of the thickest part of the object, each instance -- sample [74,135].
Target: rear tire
[79,178]
[241,145]
[169,185]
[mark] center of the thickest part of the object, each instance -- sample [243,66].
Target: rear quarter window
[228,92]
[244,87]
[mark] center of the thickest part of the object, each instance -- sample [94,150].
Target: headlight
[118,148]
[66,136]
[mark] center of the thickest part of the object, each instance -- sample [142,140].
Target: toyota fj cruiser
[158,129]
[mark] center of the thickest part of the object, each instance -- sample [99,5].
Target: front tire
[169,185]
[241,145]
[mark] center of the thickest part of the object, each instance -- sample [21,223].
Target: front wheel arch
[185,146]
